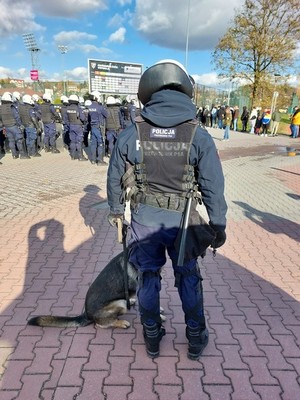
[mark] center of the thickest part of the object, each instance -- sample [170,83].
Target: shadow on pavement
[253,326]
[270,222]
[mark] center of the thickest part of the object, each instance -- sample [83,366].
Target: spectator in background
[235,117]
[221,116]
[253,117]
[257,126]
[295,123]
[276,117]
[244,119]
[227,122]
[214,116]
[265,121]
[206,117]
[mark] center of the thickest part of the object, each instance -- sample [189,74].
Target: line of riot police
[91,127]
[30,124]
[22,122]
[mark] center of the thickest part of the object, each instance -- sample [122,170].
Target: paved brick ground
[55,239]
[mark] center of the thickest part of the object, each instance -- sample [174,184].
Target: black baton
[184,226]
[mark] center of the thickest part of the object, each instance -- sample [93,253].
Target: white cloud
[19,16]
[17,19]
[116,20]
[210,79]
[207,22]
[124,2]
[69,8]
[78,73]
[6,73]
[89,48]
[118,36]
[67,37]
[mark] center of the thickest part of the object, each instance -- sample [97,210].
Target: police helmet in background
[74,99]
[16,96]
[47,97]
[35,97]
[87,103]
[64,99]
[165,74]
[110,101]
[27,99]
[96,96]
[7,97]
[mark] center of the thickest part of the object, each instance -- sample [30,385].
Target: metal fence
[207,96]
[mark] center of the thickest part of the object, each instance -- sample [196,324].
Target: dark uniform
[63,112]
[133,111]
[30,122]
[75,120]
[13,127]
[113,125]
[161,158]
[49,117]
[97,118]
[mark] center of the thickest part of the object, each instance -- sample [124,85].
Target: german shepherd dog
[104,301]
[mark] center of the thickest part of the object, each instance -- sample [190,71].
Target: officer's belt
[168,202]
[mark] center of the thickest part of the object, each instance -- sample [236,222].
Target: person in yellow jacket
[295,123]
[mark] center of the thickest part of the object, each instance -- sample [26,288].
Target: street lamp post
[187,35]
[275,95]
[63,50]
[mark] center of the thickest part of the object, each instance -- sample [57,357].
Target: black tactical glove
[112,218]
[220,238]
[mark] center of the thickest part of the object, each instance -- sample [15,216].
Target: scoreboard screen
[114,77]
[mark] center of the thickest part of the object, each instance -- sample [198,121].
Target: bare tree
[261,42]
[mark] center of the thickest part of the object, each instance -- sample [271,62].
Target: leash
[122,234]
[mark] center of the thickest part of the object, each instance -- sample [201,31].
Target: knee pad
[147,275]
[182,273]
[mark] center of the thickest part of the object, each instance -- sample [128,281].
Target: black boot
[101,162]
[54,149]
[152,336]
[82,157]
[197,342]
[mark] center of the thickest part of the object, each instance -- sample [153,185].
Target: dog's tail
[60,322]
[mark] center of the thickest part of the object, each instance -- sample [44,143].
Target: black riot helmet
[165,74]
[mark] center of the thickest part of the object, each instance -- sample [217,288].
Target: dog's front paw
[132,301]
[121,323]
[163,318]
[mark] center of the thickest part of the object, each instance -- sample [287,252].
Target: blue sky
[141,31]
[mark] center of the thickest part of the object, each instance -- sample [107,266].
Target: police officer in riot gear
[13,126]
[29,120]
[86,125]
[133,110]
[161,160]
[97,118]
[63,111]
[49,118]
[114,122]
[16,97]
[75,120]
[38,112]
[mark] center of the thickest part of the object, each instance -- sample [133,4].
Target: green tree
[261,42]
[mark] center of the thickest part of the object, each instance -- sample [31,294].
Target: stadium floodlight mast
[31,45]
[63,50]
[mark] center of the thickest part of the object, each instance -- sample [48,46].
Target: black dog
[104,302]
